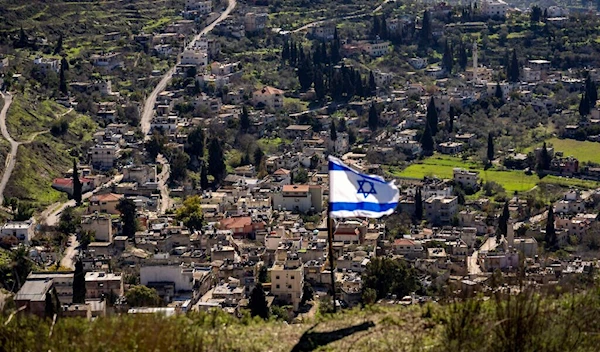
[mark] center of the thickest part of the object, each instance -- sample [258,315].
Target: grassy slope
[48,156]
[582,150]
[441,166]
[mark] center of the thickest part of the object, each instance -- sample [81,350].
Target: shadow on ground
[311,340]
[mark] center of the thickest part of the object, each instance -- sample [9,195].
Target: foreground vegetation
[528,321]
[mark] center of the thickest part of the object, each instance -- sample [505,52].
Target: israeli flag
[352,194]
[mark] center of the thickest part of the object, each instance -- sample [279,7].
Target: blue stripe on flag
[337,167]
[375,207]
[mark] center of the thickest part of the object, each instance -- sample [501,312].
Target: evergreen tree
[342,127]
[376,26]
[59,45]
[550,238]
[77,186]
[333,131]
[536,14]
[584,105]
[244,120]
[427,141]
[451,115]
[432,117]
[591,90]
[447,60]
[62,86]
[425,34]
[285,52]
[462,57]
[305,74]
[373,117]
[514,68]
[383,32]
[49,307]
[544,159]
[216,162]
[258,156]
[204,176]
[320,91]
[258,302]
[23,39]
[372,85]
[128,212]
[418,204]
[490,148]
[499,94]
[195,142]
[79,283]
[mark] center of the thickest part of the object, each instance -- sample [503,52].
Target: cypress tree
[204,177]
[550,238]
[333,131]
[462,57]
[258,302]
[372,85]
[79,283]
[244,120]
[591,90]
[584,105]
[503,220]
[418,204]
[451,115]
[490,147]
[447,60]
[427,141]
[77,186]
[216,162]
[514,68]
[425,34]
[499,94]
[373,117]
[376,26]
[432,117]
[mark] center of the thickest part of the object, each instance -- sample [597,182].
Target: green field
[584,151]
[513,180]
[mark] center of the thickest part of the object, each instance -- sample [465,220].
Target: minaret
[510,234]
[475,62]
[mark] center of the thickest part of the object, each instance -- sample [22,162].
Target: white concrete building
[300,198]
[22,230]
[103,156]
[196,57]
[466,178]
[494,8]
[182,277]
[287,279]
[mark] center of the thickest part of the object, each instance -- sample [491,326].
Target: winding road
[148,111]
[11,158]
[347,17]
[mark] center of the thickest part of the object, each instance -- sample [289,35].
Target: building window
[277,278]
[276,286]
[292,277]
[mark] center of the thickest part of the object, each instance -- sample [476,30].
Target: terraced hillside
[47,156]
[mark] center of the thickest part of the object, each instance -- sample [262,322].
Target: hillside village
[218,193]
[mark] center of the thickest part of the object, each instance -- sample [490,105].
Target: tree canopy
[190,213]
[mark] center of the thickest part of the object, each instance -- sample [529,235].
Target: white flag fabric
[352,194]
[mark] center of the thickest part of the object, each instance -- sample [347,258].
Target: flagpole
[331,266]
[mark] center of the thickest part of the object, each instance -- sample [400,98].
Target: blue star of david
[365,191]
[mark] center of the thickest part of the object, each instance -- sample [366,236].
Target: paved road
[148,111]
[473,265]
[14,145]
[68,260]
[165,200]
[348,17]
[51,215]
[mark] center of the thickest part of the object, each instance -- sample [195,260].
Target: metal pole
[331,266]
